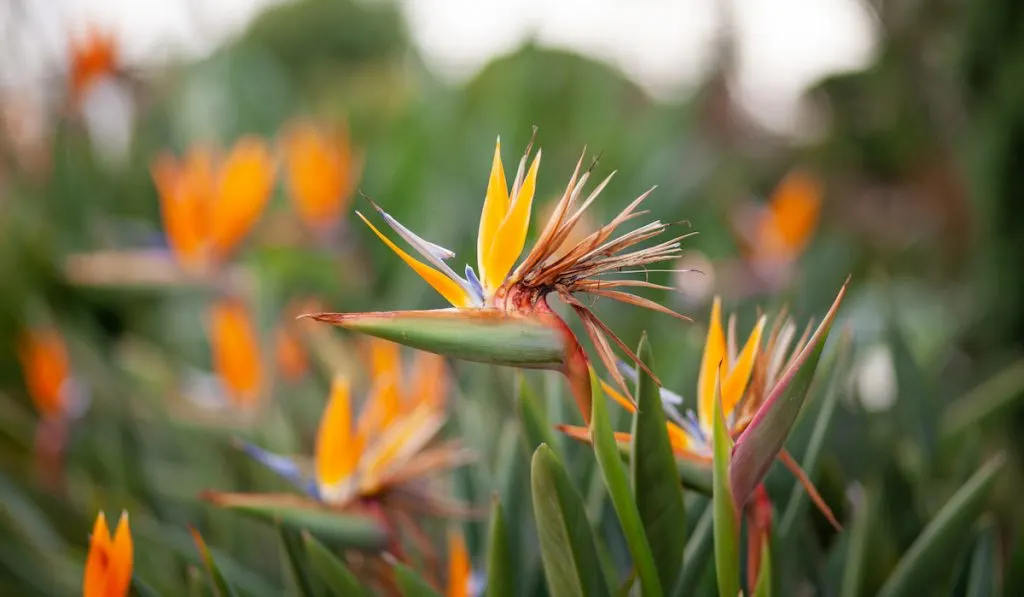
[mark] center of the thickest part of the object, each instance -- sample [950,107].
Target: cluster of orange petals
[44,363]
[209,201]
[108,568]
[91,58]
[791,219]
[321,169]
[236,352]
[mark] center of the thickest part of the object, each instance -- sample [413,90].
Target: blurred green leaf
[412,584]
[859,543]
[798,495]
[349,530]
[567,547]
[984,572]
[500,582]
[332,571]
[727,555]
[610,463]
[763,588]
[220,585]
[759,444]
[659,496]
[536,428]
[991,398]
[697,554]
[940,539]
[293,551]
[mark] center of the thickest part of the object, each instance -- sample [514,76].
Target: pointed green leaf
[294,553]
[693,473]
[220,585]
[727,555]
[615,479]
[982,580]
[763,588]
[656,485]
[695,558]
[500,581]
[798,496]
[986,401]
[857,552]
[331,526]
[760,443]
[941,538]
[536,428]
[567,546]
[333,572]
[493,336]
[412,584]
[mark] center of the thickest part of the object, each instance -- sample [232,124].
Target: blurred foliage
[912,432]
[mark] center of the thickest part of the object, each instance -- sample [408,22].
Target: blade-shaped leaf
[727,555]
[982,580]
[698,551]
[656,486]
[492,336]
[857,552]
[986,401]
[332,526]
[567,546]
[763,588]
[292,546]
[220,585]
[759,444]
[334,574]
[798,496]
[536,428]
[500,582]
[617,481]
[941,538]
[412,584]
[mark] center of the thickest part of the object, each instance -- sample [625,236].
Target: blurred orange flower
[458,566]
[209,202]
[91,58]
[44,363]
[321,171]
[786,228]
[289,353]
[236,353]
[108,568]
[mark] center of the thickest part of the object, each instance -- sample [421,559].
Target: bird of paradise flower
[750,381]
[500,312]
[373,466]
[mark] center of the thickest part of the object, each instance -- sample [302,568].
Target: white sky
[665,45]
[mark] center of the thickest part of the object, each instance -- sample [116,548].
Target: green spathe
[533,340]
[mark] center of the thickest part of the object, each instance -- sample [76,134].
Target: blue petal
[474,282]
[435,254]
[668,397]
[283,466]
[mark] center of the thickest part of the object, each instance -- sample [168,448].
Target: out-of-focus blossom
[92,57]
[47,371]
[745,378]
[774,236]
[459,571]
[209,202]
[380,454]
[289,354]
[236,352]
[501,313]
[108,568]
[322,170]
